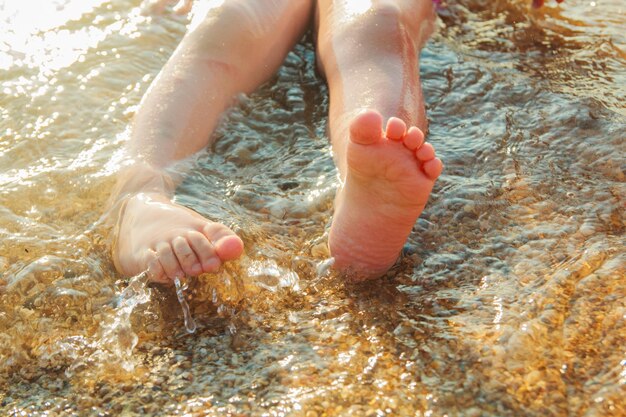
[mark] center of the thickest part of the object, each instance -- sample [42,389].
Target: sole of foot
[389,177]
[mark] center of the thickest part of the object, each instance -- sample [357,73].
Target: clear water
[509,301]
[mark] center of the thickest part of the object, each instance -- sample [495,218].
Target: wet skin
[370,60]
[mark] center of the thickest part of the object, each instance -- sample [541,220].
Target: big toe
[367,127]
[229,247]
[227,244]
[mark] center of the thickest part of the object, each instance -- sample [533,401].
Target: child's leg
[235,47]
[369,51]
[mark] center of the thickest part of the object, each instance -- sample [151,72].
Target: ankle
[142,178]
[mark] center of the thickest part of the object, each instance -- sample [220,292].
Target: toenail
[212,264]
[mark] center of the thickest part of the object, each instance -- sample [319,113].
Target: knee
[229,14]
[229,33]
[384,19]
[409,15]
[385,12]
[232,24]
[385,23]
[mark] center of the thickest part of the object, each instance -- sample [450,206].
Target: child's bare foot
[169,240]
[389,178]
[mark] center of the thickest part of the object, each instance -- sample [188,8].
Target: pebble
[320,250]
[587,229]
[473,412]
[469,208]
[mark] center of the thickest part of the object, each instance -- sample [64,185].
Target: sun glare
[36,33]
[359,7]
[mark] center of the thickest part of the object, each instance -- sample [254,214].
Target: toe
[426,152]
[168,261]
[227,245]
[414,138]
[366,128]
[205,251]
[212,264]
[186,256]
[433,168]
[155,269]
[396,128]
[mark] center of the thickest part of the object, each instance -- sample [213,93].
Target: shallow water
[510,299]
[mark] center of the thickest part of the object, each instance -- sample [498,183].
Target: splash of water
[323,267]
[116,341]
[117,336]
[190,324]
